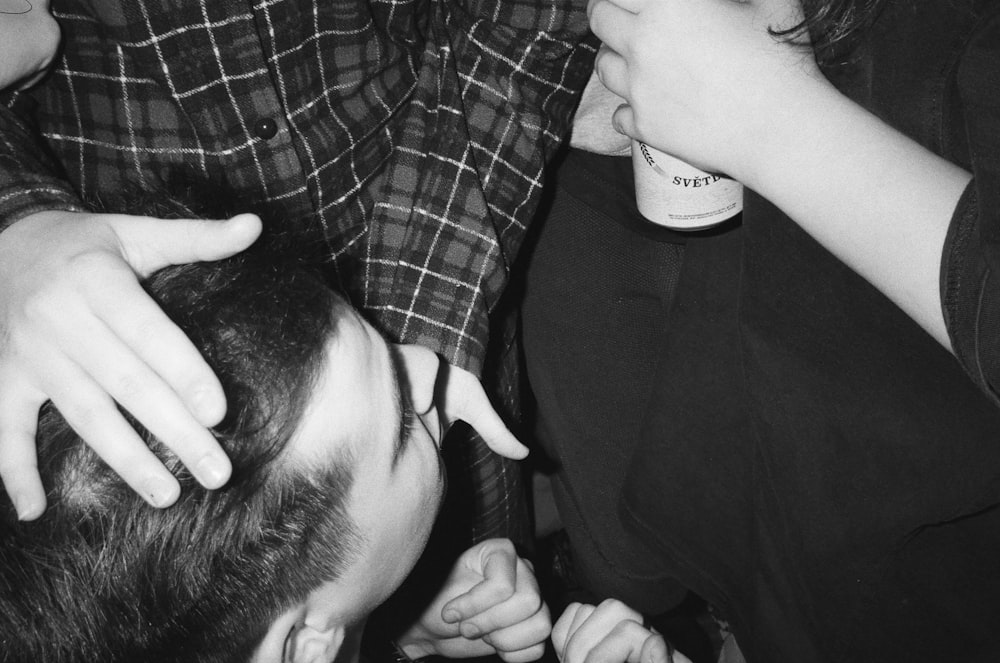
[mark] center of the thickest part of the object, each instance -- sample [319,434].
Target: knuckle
[143,330]
[82,413]
[537,629]
[622,628]
[129,387]
[612,605]
[87,263]
[527,603]
[500,590]
[42,305]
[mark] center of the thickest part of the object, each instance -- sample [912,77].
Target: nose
[422,370]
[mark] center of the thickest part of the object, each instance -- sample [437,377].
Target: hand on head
[79,330]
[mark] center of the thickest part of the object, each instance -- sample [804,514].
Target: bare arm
[715,88]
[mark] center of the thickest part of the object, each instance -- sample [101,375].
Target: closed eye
[406,422]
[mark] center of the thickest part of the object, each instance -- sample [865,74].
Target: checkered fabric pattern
[413,133]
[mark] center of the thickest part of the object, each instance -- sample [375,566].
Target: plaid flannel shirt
[415,132]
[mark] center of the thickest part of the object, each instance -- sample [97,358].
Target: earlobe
[309,645]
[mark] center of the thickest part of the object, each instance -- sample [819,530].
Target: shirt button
[265,128]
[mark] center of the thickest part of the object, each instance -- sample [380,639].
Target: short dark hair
[834,26]
[101,576]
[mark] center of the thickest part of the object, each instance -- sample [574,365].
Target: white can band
[674,194]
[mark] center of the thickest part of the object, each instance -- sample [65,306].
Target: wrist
[790,117]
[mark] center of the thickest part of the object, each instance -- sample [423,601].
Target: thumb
[149,244]
[623,120]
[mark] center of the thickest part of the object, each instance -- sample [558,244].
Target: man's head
[324,515]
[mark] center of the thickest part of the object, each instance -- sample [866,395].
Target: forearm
[874,198]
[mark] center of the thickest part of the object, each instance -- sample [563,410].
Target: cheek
[429,494]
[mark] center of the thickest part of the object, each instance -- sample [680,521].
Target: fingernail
[470,631]
[450,616]
[161,492]
[26,508]
[212,471]
[246,224]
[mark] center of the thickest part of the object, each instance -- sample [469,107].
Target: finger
[624,644]
[18,457]
[562,629]
[612,71]
[499,570]
[656,649]
[466,400]
[613,24]
[526,634]
[523,604]
[623,120]
[595,627]
[149,244]
[579,619]
[132,316]
[138,389]
[525,655]
[96,419]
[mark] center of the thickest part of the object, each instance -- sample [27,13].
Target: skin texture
[609,632]
[489,604]
[80,331]
[734,99]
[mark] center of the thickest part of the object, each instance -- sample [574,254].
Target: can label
[672,193]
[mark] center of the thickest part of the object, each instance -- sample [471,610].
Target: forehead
[350,400]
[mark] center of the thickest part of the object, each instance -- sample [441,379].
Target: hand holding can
[674,194]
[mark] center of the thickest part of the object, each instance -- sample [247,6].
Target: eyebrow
[403,408]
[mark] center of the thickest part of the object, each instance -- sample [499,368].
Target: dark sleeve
[967,280]
[29,180]
[970,271]
[497,87]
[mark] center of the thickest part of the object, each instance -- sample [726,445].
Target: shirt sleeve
[29,180]
[494,99]
[970,274]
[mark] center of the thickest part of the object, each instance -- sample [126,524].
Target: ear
[290,638]
[311,645]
